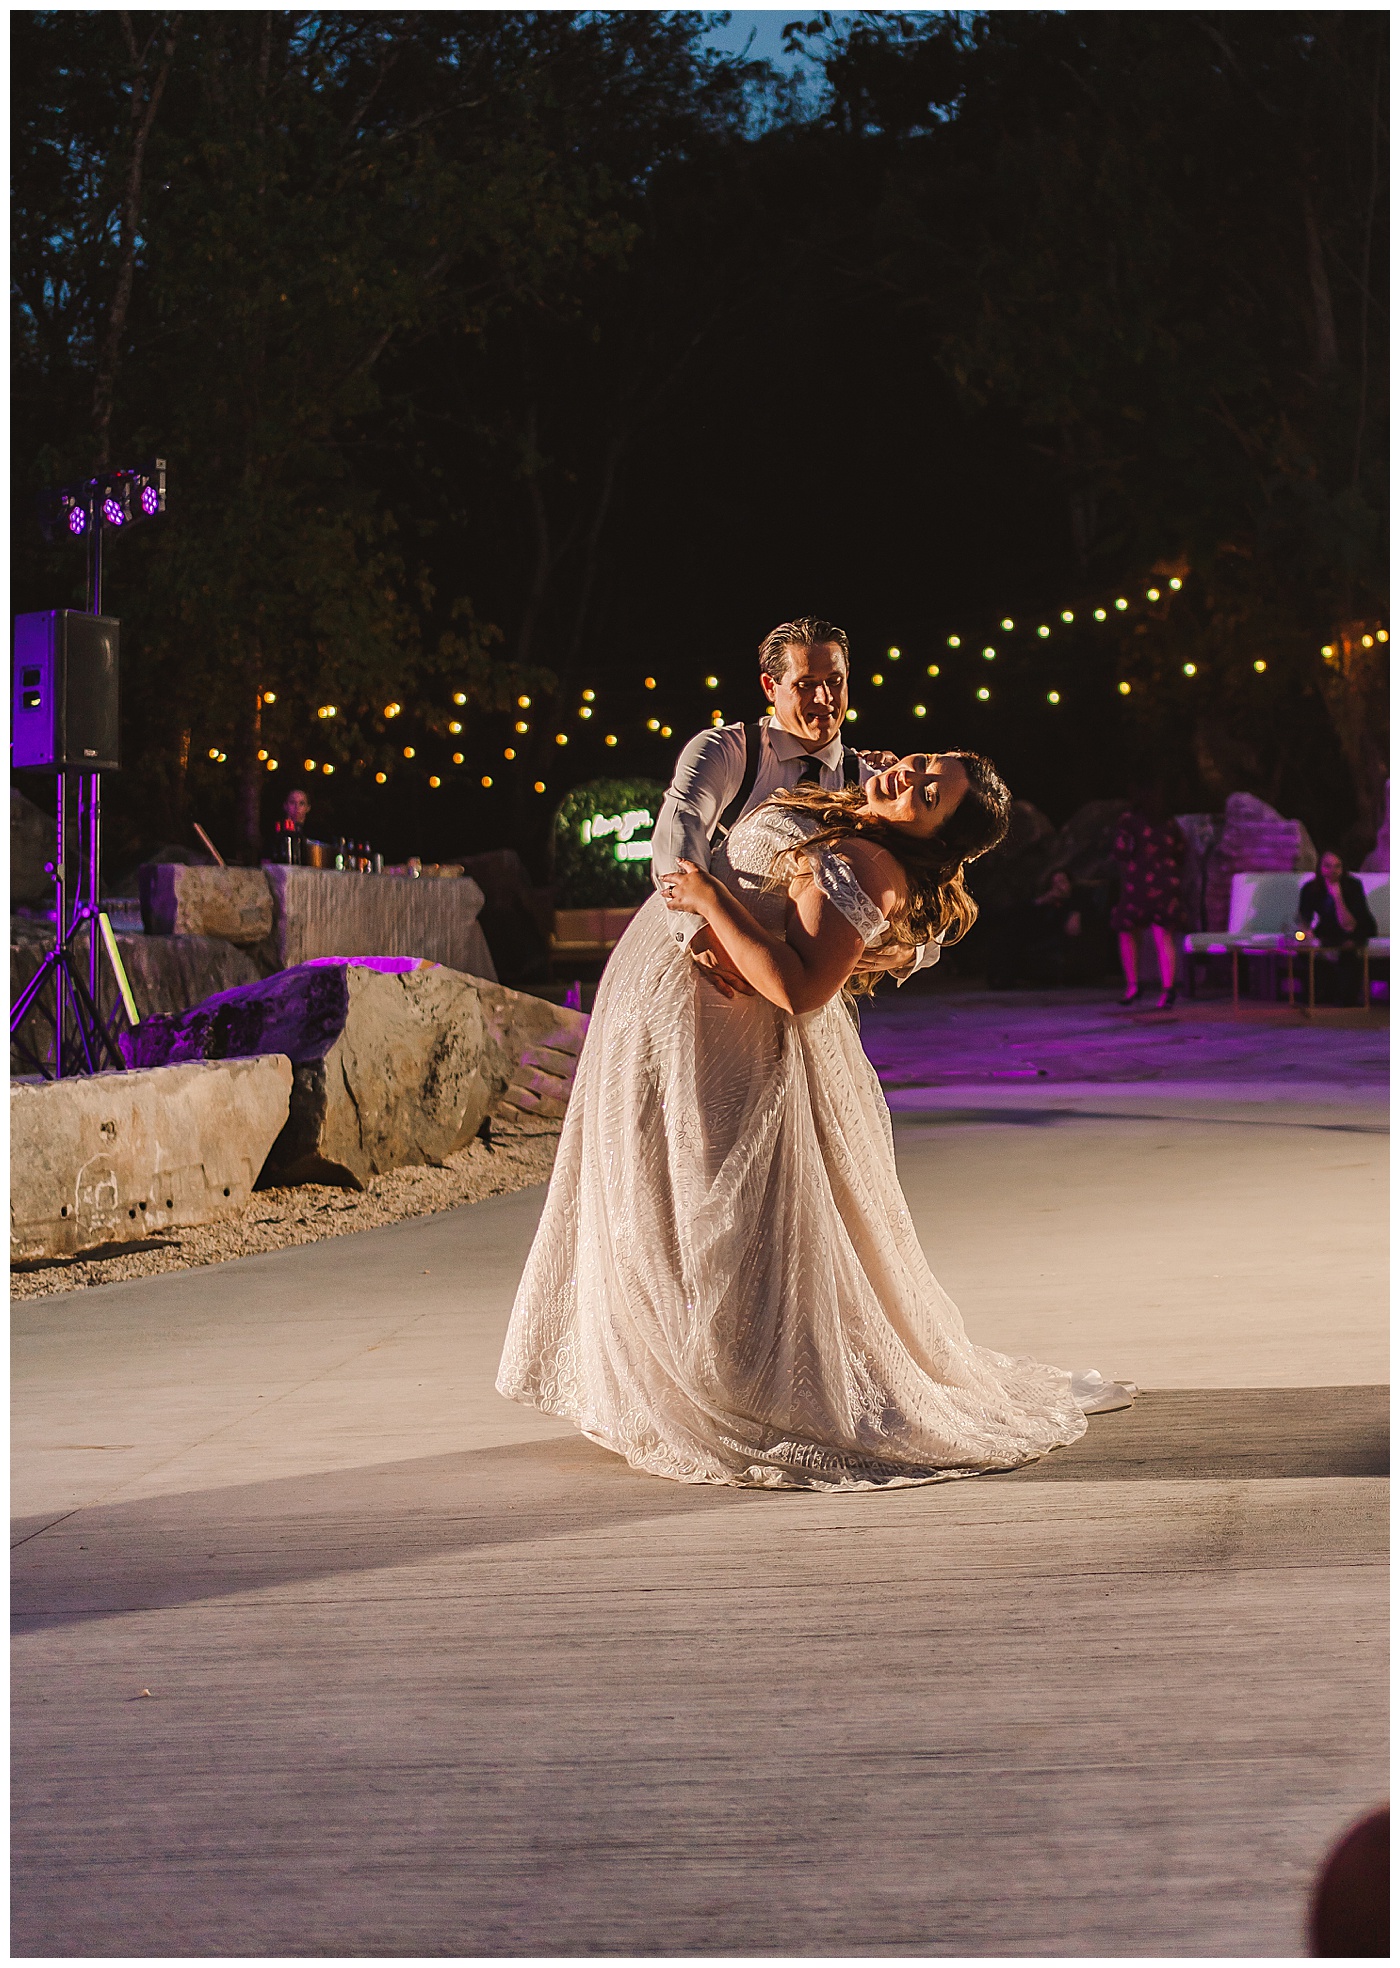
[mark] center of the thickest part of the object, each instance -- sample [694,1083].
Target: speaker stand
[82,1041]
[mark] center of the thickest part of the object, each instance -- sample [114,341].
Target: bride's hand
[687,888]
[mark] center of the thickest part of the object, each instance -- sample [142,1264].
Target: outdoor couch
[1264,922]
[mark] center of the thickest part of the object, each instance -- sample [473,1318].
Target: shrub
[593,823]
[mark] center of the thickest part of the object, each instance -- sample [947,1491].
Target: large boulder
[1255,840]
[112,1158]
[517,917]
[1011,873]
[390,1068]
[232,903]
[1377,862]
[1084,845]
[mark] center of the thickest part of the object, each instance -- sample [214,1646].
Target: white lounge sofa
[1264,921]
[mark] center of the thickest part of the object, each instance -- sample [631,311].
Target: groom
[804,668]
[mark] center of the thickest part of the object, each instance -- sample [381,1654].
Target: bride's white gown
[726,1286]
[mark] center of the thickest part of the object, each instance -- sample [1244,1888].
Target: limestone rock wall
[389,1069]
[115,1157]
[232,903]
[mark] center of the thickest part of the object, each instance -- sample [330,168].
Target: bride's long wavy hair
[939,903]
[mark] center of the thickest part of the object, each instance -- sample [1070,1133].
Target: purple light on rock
[113,513]
[77,520]
[150,501]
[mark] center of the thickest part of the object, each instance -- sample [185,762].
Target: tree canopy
[506,361]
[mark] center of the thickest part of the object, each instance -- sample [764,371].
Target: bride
[726,1286]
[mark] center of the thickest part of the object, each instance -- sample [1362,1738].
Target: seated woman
[726,1286]
[1333,908]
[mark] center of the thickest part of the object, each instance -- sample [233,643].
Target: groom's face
[809,699]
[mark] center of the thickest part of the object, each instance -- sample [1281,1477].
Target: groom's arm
[709,772]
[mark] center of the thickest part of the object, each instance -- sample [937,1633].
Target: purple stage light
[113,513]
[77,520]
[150,501]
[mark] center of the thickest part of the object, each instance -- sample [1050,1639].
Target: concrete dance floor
[326,1650]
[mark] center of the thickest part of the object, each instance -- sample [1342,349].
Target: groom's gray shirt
[709,772]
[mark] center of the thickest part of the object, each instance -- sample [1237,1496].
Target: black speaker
[65,716]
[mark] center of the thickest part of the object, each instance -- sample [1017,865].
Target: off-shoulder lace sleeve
[836,879]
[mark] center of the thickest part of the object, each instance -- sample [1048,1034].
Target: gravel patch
[521,1153]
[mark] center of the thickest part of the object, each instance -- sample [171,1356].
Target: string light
[665,731]
[1382,635]
[955,642]
[934,670]
[328,768]
[308,765]
[539,785]
[459,696]
[1124,689]
[1188,669]
[487,780]
[921,710]
[434,780]
[1066,614]
[1052,697]
[990,654]
[1043,630]
[588,696]
[269,696]
[1100,614]
[325,711]
[893,653]
[380,778]
[1007,623]
[272,765]
[454,727]
[521,725]
[1154,594]
[409,752]
[877,678]
[261,756]
[392,710]
[1175,582]
[522,703]
[610,739]
[584,711]
[852,715]
[653,724]
[510,751]
[1368,642]
[1120,603]
[983,695]
[561,737]
[214,752]
[459,758]
[649,683]
[1328,650]
[712,683]
[1261,666]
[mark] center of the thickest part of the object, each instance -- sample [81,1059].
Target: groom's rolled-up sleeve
[709,772]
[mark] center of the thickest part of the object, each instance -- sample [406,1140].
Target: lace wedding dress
[726,1286]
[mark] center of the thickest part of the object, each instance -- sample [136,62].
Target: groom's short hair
[800,633]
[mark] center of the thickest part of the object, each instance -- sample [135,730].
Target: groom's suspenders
[753,740]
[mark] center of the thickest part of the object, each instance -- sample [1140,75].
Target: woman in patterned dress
[726,1286]
[1150,850]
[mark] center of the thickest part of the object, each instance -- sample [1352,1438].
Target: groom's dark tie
[811,772]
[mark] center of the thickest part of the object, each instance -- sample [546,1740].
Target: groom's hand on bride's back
[716,968]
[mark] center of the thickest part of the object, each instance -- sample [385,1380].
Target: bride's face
[919,793]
